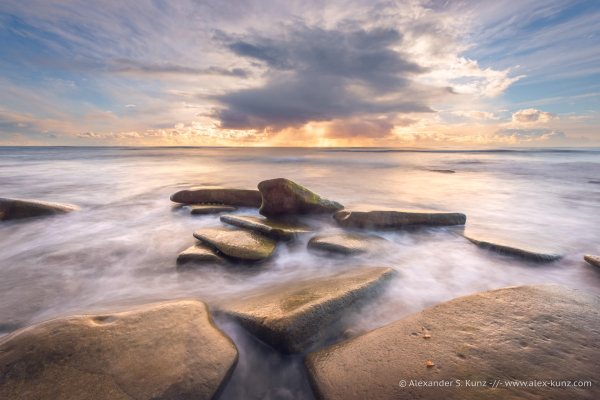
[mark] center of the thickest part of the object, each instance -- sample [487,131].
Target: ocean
[120,248]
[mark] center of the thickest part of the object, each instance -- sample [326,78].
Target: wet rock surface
[347,243]
[365,216]
[219,195]
[502,246]
[202,209]
[200,253]
[593,260]
[20,208]
[242,245]
[294,317]
[169,350]
[520,333]
[283,197]
[277,228]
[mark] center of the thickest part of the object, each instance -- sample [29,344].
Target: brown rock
[200,253]
[169,350]
[347,243]
[202,209]
[292,318]
[511,248]
[284,197]
[277,228]
[243,245]
[521,333]
[219,195]
[375,217]
[593,260]
[18,208]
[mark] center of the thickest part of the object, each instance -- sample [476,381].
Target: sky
[419,73]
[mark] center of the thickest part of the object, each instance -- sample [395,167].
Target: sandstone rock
[219,195]
[243,245]
[594,260]
[292,318]
[522,333]
[199,253]
[347,243]
[270,227]
[374,217]
[169,350]
[202,209]
[18,208]
[524,251]
[284,197]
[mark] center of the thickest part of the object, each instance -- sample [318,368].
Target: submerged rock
[521,333]
[277,228]
[443,171]
[199,253]
[593,260]
[523,251]
[169,350]
[19,208]
[243,245]
[201,209]
[219,195]
[347,243]
[292,318]
[284,197]
[374,217]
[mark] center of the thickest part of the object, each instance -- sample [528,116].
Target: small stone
[201,209]
[347,243]
[200,253]
[430,364]
[426,336]
[511,248]
[277,228]
[593,260]
[19,208]
[243,245]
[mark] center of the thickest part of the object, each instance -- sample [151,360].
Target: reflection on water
[120,249]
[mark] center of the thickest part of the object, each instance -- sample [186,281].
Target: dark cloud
[316,75]
[129,66]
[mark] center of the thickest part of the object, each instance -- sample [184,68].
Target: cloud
[541,137]
[476,114]
[52,136]
[130,105]
[531,115]
[88,135]
[133,67]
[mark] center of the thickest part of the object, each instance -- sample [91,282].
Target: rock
[594,260]
[443,171]
[219,195]
[243,245]
[284,197]
[201,209]
[374,217]
[347,243]
[270,227]
[524,251]
[200,253]
[520,333]
[18,208]
[292,318]
[169,350]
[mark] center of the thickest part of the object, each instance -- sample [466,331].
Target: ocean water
[120,249]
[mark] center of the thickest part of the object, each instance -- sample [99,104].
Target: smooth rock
[219,195]
[374,217]
[593,260]
[284,197]
[521,333]
[202,209]
[200,253]
[169,350]
[524,251]
[270,227]
[243,245]
[294,317]
[347,243]
[18,208]
[443,171]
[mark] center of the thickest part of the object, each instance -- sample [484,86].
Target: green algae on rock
[243,245]
[283,197]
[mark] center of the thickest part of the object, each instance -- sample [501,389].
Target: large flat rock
[374,217]
[283,197]
[199,253]
[169,350]
[219,195]
[347,243]
[521,333]
[513,248]
[266,226]
[292,318]
[243,245]
[593,260]
[19,208]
